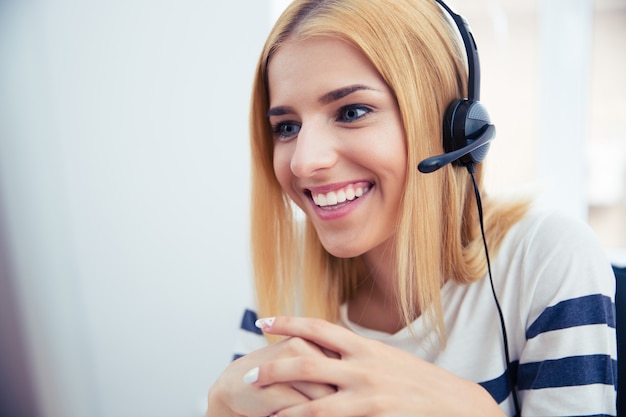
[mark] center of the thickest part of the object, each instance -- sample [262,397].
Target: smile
[336,197]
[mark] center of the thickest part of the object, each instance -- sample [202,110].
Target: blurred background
[124,179]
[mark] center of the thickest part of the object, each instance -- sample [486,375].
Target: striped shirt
[556,290]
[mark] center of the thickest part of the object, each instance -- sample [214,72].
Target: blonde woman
[382,301]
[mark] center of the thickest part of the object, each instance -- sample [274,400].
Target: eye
[285,130]
[352,113]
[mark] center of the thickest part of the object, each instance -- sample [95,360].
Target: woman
[379,302]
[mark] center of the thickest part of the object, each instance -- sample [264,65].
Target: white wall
[124,192]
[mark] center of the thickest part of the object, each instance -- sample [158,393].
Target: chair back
[620,327]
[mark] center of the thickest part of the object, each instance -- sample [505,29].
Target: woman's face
[339,147]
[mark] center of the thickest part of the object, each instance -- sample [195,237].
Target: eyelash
[279,127]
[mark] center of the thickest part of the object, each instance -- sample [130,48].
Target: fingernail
[265,323]
[252,376]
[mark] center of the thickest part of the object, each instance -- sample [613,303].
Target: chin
[342,251]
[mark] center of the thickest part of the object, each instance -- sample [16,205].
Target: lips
[338,196]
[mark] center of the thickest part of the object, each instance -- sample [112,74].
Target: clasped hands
[322,369]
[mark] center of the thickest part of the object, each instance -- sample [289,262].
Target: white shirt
[556,290]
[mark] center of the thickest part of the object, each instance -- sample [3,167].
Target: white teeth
[336,197]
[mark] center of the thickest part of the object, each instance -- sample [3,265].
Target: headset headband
[473,64]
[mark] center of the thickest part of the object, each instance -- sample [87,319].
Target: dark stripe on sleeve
[567,372]
[590,309]
[499,388]
[237,356]
[247,322]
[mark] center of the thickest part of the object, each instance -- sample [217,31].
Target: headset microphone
[479,146]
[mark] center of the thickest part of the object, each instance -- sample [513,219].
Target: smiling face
[339,146]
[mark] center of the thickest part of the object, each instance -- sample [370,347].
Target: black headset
[467,135]
[467,128]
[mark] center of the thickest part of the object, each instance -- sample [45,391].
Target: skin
[230,396]
[324,142]
[336,123]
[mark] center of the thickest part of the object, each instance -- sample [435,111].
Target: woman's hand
[372,379]
[231,396]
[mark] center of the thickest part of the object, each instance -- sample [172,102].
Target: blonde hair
[413,47]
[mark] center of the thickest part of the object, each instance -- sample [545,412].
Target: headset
[467,128]
[467,135]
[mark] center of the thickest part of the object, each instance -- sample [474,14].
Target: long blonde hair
[413,48]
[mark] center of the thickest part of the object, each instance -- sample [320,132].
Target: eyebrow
[341,93]
[327,98]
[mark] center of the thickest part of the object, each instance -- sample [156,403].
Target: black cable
[470,168]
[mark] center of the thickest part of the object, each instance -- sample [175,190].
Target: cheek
[282,166]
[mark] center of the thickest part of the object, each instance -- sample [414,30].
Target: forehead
[316,65]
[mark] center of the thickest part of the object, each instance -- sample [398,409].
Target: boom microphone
[483,137]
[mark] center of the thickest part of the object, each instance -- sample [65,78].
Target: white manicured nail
[252,376]
[265,323]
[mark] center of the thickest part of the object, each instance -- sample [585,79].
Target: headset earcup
[451,127]
[461,123]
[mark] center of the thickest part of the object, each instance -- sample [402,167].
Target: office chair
[620,327]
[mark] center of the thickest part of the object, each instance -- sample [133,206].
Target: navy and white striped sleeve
[568,366]
[249,338]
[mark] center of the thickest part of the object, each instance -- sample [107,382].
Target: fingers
[314,391]
[274,398]
[298,374]
[336,406]
[280,375]
[230,396]
[306,363]
[310,370]
[330,337]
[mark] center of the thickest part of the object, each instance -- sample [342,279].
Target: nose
[314,151]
